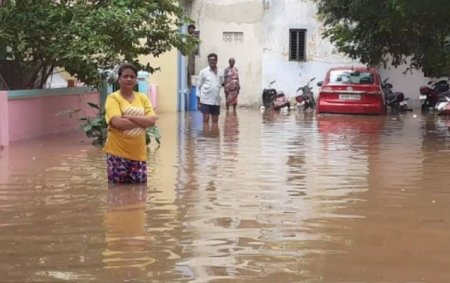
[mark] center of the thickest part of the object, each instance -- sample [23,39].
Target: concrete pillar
[103,90]
[4,119]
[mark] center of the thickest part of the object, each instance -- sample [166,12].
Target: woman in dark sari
[231,84]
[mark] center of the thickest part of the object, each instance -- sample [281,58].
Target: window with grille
[297,44]
[233,37]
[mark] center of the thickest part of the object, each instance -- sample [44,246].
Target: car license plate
[423,97]
[349,96]
[404,102]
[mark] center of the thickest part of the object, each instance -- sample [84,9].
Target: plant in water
[153,132]
[97,128]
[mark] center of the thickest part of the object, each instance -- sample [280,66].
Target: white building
[275,40]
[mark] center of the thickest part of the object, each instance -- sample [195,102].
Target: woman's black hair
[127,66]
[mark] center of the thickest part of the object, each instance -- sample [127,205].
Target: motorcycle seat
[446,93]
[400,96]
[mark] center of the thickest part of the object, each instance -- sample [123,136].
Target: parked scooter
[395,100]
[443,103]
[268,96]
[306,98]
[273,99]
[281,101]
[429,94]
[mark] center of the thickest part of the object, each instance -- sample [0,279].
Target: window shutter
[297,44]
[293,45]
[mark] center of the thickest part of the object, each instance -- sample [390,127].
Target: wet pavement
[262,198]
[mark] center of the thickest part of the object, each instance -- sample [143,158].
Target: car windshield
[351,77]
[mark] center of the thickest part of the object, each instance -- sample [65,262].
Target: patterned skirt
[125,171]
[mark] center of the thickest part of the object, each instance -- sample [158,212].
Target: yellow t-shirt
[129,144]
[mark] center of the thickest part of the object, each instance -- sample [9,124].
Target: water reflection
[436,152]
[269,116]
[211,130]
[127,252]
[231,128]
[348,145]
[261,197]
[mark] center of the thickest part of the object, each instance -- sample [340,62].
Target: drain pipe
[182,78]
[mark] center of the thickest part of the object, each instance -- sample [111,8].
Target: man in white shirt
[209,82]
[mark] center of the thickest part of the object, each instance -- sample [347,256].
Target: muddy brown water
[262,198]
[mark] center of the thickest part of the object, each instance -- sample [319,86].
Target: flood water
[262,198]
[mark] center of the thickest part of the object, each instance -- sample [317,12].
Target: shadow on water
[265,197]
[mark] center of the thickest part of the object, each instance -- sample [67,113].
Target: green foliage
[83,36]
[96,128]
[153,132]
[382,30]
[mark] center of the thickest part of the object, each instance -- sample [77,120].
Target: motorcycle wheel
[423,107]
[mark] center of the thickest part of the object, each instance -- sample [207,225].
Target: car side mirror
[320,84]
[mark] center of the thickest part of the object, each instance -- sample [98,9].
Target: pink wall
[41,115]
[4,132]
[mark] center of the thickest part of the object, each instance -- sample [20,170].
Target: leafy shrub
[96,128]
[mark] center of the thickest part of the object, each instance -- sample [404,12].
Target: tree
[392,31]
[83,36]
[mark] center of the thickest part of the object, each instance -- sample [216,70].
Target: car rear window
[351,77]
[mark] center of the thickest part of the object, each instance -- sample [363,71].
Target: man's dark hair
[127,66]
[191,29]
[212,55]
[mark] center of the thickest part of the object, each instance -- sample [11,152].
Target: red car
[351,90]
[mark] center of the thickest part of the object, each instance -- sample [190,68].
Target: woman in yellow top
[128,115]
